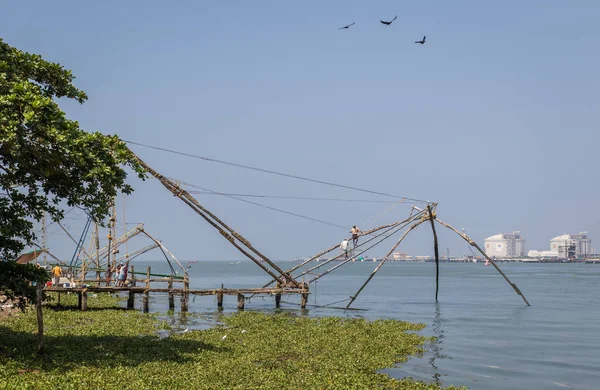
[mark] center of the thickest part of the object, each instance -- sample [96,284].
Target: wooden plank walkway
[177,291]
[95,286]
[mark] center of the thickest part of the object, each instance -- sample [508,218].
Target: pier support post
[146,297]
[277,300]
[304,300]
[84,302]
[132,276]
[240,301]
[185,296]
[131,300]
[220,298]
[171,296]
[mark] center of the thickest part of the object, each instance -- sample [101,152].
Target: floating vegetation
[107,347]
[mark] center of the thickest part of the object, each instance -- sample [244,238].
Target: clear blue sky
[496,117]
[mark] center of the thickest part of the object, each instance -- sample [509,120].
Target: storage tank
[571,245]
[505,245]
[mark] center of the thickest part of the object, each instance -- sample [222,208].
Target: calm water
[487,337]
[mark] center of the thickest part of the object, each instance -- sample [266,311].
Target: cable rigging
[274,172]
[264,206]
[294,197]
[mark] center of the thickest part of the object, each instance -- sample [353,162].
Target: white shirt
[344,245]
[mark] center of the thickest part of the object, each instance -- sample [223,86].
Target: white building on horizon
[505,245]
[571,245]
[536,253]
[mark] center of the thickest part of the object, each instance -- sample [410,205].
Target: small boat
[487,262]
[193,261]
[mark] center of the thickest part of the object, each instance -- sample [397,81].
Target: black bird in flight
[421,42]
[347,27]
[390,22]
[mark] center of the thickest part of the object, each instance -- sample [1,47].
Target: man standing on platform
[355,232]
[56,273]
[344,248]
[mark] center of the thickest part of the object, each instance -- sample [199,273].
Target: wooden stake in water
[437,254]
[146,296]
[171,297]
[474,244]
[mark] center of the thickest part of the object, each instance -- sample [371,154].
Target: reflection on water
[436,344]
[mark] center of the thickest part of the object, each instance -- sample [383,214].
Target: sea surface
[487,338]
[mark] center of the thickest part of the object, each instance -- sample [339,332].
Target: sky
[496,117]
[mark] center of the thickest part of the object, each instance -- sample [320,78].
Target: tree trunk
[40,319]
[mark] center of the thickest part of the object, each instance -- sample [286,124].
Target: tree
[46,161]
[15,281]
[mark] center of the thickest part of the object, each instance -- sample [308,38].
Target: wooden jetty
[183,291]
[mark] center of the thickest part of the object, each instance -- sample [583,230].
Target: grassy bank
[111,348]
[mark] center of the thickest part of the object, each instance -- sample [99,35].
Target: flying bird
[347,27]
[422,41]
[390,22]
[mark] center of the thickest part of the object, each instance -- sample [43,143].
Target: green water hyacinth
[111,348]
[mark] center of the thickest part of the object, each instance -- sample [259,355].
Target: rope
[267,207]
[294,197]
[273,172]
[383,214]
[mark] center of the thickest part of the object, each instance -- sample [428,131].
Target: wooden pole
[146,296]
[113,233]
[277,300]
[474,244]
[84,302]
[132,276]
[131,300]
[97,234]
[240,301]
[437,254]
[220,298]
[39,293]
[171,296]
[225,230]
[303,300]
[186,293]
[44,237]
[164,248]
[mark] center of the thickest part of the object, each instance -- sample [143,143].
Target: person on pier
[56,273]
[344,248]
[108,275]
[355,233]
[121,276]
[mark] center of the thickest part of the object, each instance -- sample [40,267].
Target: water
[487,338]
